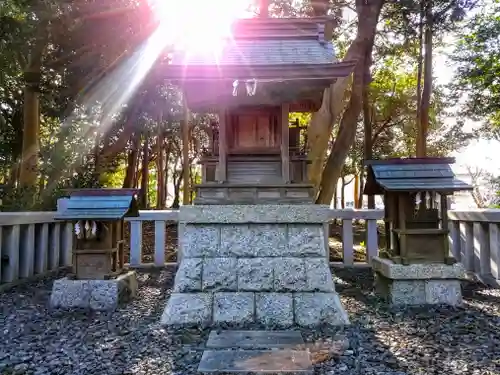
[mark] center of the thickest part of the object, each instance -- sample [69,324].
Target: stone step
[279,361]
[254,339]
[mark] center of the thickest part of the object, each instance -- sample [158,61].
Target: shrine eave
[258,72]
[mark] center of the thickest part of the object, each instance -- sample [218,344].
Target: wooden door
[254,131]
[264,136]
[245,132]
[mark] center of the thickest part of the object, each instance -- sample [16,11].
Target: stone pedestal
[418,284]
[242,264]
[98,295]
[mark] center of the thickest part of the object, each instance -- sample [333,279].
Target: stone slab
[199,241]
[97,295]
[255,274]
[391,270]
[419,292]
[306,240]
[253,240]
[254,339]
[188,276]
[188,309]
[220,274]
[318,275]
[448,292]
[256,361]
[70,294]
[290,275]
[316,309]
[407,292]
[236,308]
[274,309]
[262,213]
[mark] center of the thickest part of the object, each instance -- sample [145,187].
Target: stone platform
[256,352]
[418,284]
[98,295]
[242,264]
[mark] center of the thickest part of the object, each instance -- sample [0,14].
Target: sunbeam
[197,27]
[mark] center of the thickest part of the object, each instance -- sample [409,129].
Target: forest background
[80,105]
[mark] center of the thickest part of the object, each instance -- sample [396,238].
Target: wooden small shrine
[99,229]
[415,197]
[269,68]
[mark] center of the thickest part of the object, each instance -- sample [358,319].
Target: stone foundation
[418,284]
[243,264]
[98,295]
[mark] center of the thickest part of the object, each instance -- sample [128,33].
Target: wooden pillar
[285,154]
[222,166]
[185,154]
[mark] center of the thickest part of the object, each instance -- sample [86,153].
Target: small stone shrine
[253,247]
[416,267]
[99,279]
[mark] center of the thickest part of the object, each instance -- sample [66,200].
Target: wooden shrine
[99,229]
[269,68]
[415,197]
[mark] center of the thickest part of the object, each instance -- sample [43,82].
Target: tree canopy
[477,56]
[66,120]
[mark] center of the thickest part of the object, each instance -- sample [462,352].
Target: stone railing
[347,216]
[160,219]
[475,242]
[32,244]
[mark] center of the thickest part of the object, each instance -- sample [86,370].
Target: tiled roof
[424,184]
[263,52]
[413,175]
[98,204]
[269,41]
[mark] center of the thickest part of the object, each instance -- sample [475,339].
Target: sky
[480,153]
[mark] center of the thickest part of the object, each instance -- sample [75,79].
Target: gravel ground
[380,341]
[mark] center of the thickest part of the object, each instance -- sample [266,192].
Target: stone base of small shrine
[418,284]
[263,264]
[231,194]
[97,295]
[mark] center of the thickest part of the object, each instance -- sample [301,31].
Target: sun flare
[198,25]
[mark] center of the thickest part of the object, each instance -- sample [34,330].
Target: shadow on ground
[382,341]
[425,339]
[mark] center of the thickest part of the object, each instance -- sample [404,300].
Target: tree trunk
[160,183]
[322,122]
[177,190]
[477,197]
[368,128]
[420,64]
[342,193]
[335,200]
[31,129]
[361,188]
[362,47]
[320,7]
[31,113]
[145,173]
[132,161]
[165,173]
[427,90]
[263,8]
[336,197]
[356,190]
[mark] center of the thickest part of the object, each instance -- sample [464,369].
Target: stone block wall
[418,284]
[254,264]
